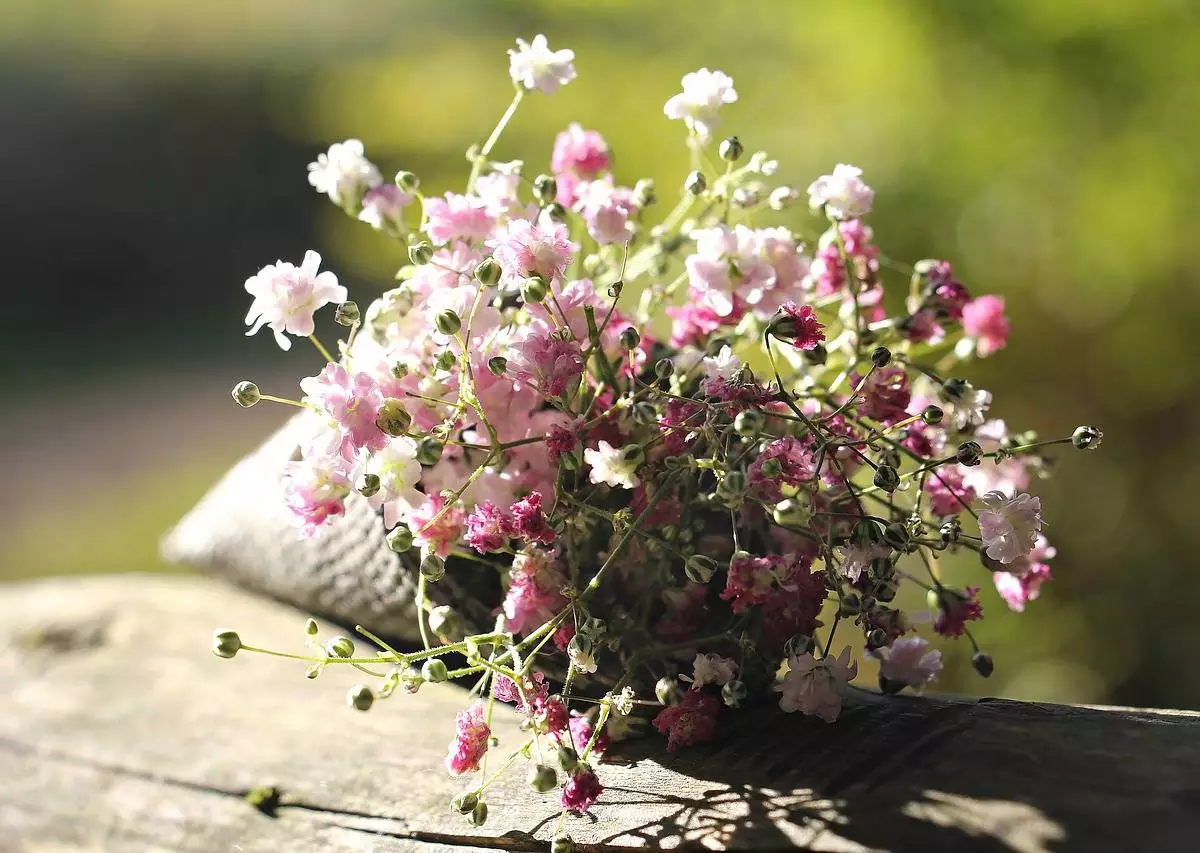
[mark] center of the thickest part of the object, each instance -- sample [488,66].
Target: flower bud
[634,454]
[798,645]
[420,253]
[866,532]
[399,370]
[630,338]
[429,451]
[360,698]
[730,150]
[1087,438]
[667,691]
[749,423]
[465,802]
[663,368]
[781,198]
[953,389]
[369,485]
[400,539]
[877,638]
[434,670]
[555,212]
[643,193]
[445,360]
[310,627]
[969,453]
[447,322]
[542,778]
[562,844]
[498,365]
[695,183]
[226,644]
[818,355]
[885,590]
[932,415]
[545,188]
[732,487]
[850,604]
[887,478]
[340,647]
[393,419]
[568,759]
[433,568]
[488,272]
[534,290]
[347,314]
[983,664]
[734,693]
[407,181]
[792,512]
[445,622]
[699,569]
[246,394]
[881,356]
[478,815]
[950,531]
[896,535]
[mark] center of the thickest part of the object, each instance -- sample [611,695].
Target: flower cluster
[693,444]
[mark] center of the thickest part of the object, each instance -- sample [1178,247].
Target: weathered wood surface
[119,731]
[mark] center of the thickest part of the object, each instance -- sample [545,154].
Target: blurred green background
[154,156]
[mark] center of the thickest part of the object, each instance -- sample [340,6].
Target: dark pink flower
[800,326]
[693,322]
[560,440]
[529,521]
[693,720]
[948,495]
[983,319]
[435,530]
[581,152]
[956,610]
[886,394]
[541,358]
[489,528]
[581,733]
[794,458]
[470,742]
[534,591]
[582,790]
[949,295]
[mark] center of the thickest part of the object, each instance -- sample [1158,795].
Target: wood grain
[119,731]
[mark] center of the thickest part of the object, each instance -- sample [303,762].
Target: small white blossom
[399,473]
[581,658]
[344,173]
[287,296]
[704,93]
[856,559]
[1009,526]
[971,408]
[712,669]
[816,687]
[843,193]
[611,466]
[723,365]
[909,661]
[535,66]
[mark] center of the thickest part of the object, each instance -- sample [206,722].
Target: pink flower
[956,610]
[457,217]
[857,559]
[816,687]
[685,612]
[287,296]
[315,490]
[752,579]
[983,319]
[793,607]
[727,268]
[441,535]
[693,322]
[537,690]
[712,669]
[582,790]
[353,402]
[948,494]
[949,295]
[529,521]
[560,440]
[605,210]
[693,720]
[541,358]
[908,662]
[678,422]
[1009,526]
[800,326]
[886,394]
[470,742]
[581,734]
[488,528]
[1016,590]
[922,327]
[580,154]
[843,193]
[524,249]
[535,586]
[383,207]
[794,459]
[551,714]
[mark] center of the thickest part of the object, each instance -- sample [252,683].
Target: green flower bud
[478,816]
[562,844]
[953,389]
[792,512]
[734,693]
[866,532]
[850,604]
[400,539]
[545,188]
[781,198]
[643,193]
[226,644]
[555,212]
[347,314]
[887,478]
[445,622]
[568,759]
[434,670]
[429,451]
[465,802]
[749,423]
[393,419]
[407,181]
[950,531]
[818,355]
[885,590]
[420,253]
[699,569]
[983,664]
[447,322]
[310,627]
[969,453]
[445,360]
[876,638]
[667,691]
[498,365]
[772,468]
[433,568]
[1087,438]
[399,370]
[360,697]
[730,150]
[932,415]
[246,394]
[695,183]
[881,356]
[534,290]
[340,647]
[798,645]
[542,778]
[630,338]
[488,272]
[369,485]
[663,368]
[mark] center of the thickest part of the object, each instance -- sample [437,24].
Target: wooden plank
[119,731]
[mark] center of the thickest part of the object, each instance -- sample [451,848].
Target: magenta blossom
[583,153]
[353,402]
[691,721]
[800,326]
[488,528]
[983,319]
[582,790]
[470,742]
[529,520]
[541,358]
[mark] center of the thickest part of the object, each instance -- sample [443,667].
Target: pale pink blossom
[352,401]
[457,217]
[535,590]
[287,296]
[533,65]
[344,173]
[383,207]
[605,210]
[816,687]
[908,661]
[857,559]
[525,249]
[541,358]
[470,741]
[842,193]
[727,267]
[712,669]
[1019,590]
[699,104]
[983,320]
[434,530]
[1009,525]
[315,491]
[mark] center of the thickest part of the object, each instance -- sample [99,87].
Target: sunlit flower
[704,93]
[843,193]
[612,466]
[1009,525]
[534,65]
[816,687]
[287,296]
[344,173]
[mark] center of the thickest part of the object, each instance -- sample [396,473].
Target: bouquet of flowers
[675,526]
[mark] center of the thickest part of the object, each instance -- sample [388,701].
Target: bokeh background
[153,156]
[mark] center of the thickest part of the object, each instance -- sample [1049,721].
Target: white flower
[1009,526]
[971,407]
[581,658]
[536,66]
[723,365]
[287,296]
[612,466]
[843,193]
[383,207]
[816,687]
[909,661]
[704,92]
[344,174]
[399,473]
[712,669]
[856,559]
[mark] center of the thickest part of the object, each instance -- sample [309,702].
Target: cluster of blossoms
[694,445]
